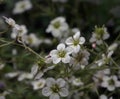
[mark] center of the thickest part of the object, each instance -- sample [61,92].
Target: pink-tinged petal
[76,36]
[50,82]
[61,47]
[69,41]
[81,40]
[46,91]
[64,92]
[53,52]
[56,59]
[66,59]
[61,82]
[54,96]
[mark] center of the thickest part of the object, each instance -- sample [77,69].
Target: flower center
[111,82]
[61,54]
[100,32]
[76,42]
[55,88]
[56,24]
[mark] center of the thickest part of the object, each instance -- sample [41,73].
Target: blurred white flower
[57,27]
[75,42]
[103,96]
[77,82]
[61,54]
[22,6]
[99,34]
[32,40]
[9,21]
[38,84]
[55,88]
[80,59]
[14,51]
[18,30]
[110,82]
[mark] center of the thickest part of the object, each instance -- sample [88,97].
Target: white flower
[32,40]
[110,82]
[80,59]
[22,6]
[9,21]
[38,84]
[55,88]
[18,30]
[57,27]
[77,82]
[75,42]
[61,54]
[103,96]
[99,34]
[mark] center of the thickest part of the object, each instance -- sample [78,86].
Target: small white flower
[18,30]
[55,88]
[110,82]
[99,34]
[61,54]
[32,40]
[103,96]
[9,21]
[80,59]
[75,42]
[22,6]
[77,82]
[57,27]
[38,84]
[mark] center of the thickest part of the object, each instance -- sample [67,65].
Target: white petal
[61,82]
[64,92]
[69,50]
[50,81]
[82,40]
[46,91]
[34,69]
[66,59]
[54,96]
[53,52]
[39,75]
[77,35]
[77,48]
[69,41]
[61,47]
[111,88]
[56,59]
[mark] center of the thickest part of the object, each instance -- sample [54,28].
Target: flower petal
[81,40]
[77,35]
[69,41]
[61,47]
[46,91]
[66,59]
[61,82]
[54,96]
[50,82]
[53,52]
[56,59]
[64,92]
